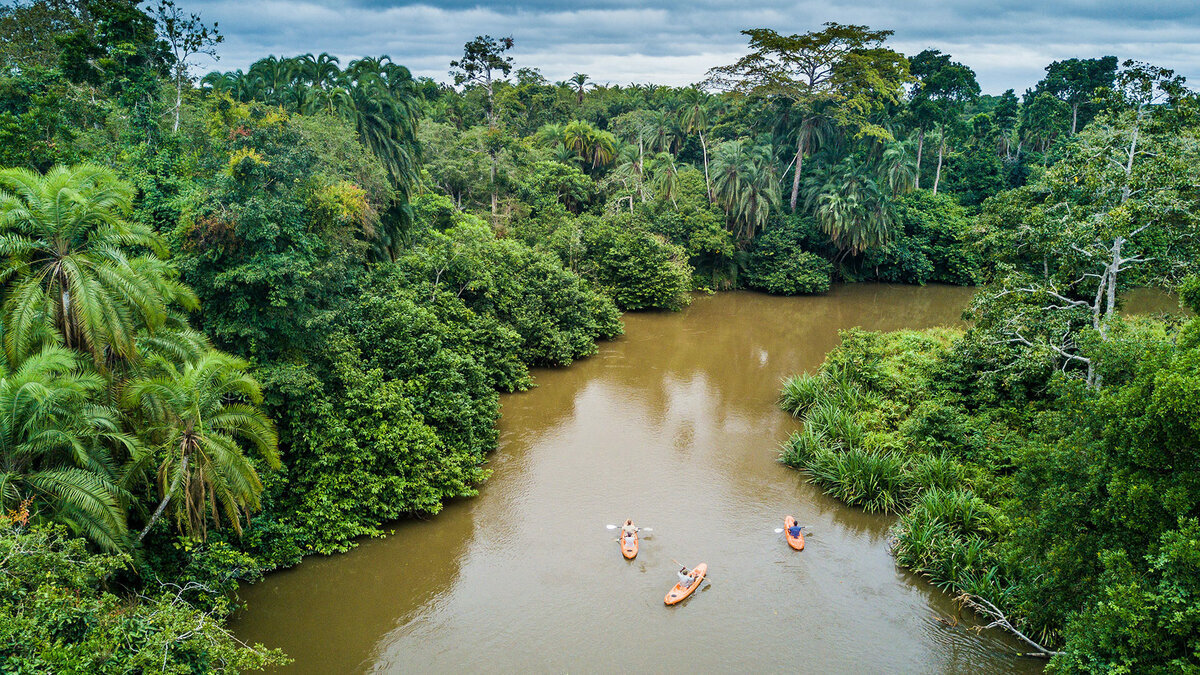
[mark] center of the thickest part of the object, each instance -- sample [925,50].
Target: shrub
[780,265]
[637,269]
[56,617]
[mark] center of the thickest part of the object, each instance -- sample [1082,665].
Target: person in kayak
[794,531]
[685,577]
[628,529]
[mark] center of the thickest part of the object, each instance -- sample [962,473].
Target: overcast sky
[1007,42]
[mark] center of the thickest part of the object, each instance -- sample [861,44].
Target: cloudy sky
[1007,42]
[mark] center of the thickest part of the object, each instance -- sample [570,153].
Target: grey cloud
[1007,42]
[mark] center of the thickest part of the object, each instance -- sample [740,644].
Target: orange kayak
[629,546]
[796,542]
[679,593]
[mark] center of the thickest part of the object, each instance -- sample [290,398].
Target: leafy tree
[945,87]
[1118,195]
[1043,120]
[844,69]
[58,613]
[481,57]
[1005,117]
[637,269]
[187,38]
[1076,81]
[116,45]
[780,265]
[563,183]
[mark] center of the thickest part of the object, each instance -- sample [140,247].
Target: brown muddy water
[674,425]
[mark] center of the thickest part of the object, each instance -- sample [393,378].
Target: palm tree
[55,445]
[746,185]
[603,148]
[666,176]
[580,84]
[218,82]
[67,255]
[564,155]
[848,204]
[591,144]
[576,137]
[658,131]
[276,76]
[549,135]
[627,179]
[696,117]
[196,414]
[814,130]
[385,115]
[320,71]
[898,169]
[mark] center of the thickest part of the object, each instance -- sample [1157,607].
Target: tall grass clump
[950,537]
[801,392]
[837,423]
[871,479]
[803,446]
[937,472]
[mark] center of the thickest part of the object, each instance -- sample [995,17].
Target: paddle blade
[645,529]
[611,527]
[778,530]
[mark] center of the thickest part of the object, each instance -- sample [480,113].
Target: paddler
[628,529]
[685,577]
[794,531]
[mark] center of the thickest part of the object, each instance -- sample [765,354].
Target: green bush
[637,269]
[779,265]
[56,617]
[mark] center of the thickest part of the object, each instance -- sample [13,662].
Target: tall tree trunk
[1074,116]
[1111,301]
[920,146]
[799,167]
[162,506]
[178,101]
[707,182]
[494,195]
[937,177]
[491,103]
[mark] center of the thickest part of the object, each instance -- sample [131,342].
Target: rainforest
[261,316]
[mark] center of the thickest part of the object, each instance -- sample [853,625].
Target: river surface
[674,425]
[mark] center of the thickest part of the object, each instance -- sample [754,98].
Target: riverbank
[1009,465]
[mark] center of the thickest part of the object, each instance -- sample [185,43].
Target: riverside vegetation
[1044,461]
[253,317]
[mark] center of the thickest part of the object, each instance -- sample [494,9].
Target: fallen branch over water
[992,612]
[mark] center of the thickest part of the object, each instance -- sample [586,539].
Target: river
[674,425]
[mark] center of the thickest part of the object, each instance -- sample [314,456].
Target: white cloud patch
[1007,42]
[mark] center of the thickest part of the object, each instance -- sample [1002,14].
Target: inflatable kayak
[796,542]
[629,545]
[679,593]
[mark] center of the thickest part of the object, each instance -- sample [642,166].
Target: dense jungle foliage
[1044,461]
[255,315]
